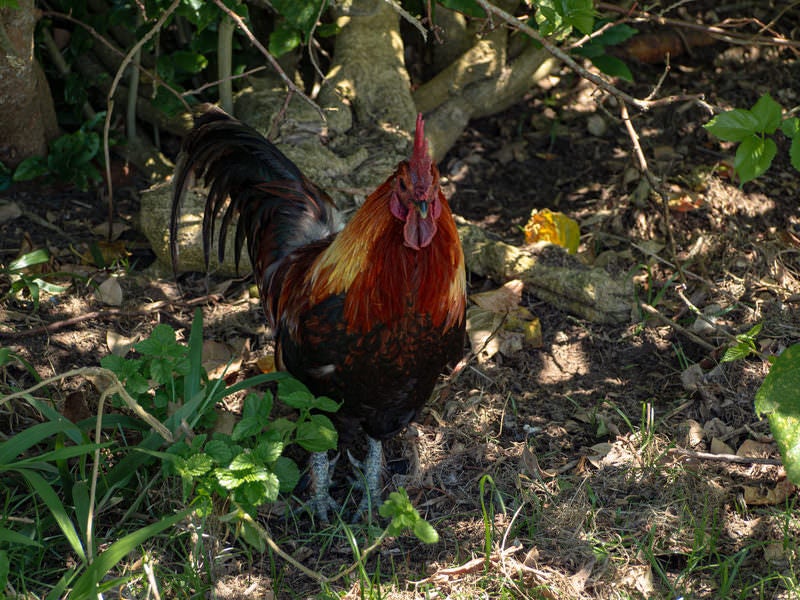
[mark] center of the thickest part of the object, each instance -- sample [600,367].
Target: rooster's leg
[321,475]
[372,467]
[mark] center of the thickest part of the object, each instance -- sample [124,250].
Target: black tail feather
[278,208]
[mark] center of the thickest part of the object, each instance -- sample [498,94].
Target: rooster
[369,313]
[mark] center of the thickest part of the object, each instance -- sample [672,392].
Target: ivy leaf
[734,125]
[779,398]
[188,62]
[768,114]
[283,39]
[31,168]
[753,157]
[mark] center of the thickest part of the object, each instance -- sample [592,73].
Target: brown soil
[579,489]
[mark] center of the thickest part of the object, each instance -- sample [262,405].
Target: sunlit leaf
[768,114]
[554,227]
[753,157]
[779,399]
[733,126]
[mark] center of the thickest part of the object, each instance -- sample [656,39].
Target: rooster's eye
[403,185]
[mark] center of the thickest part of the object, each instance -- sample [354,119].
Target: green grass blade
[195,376]
[59,454]
[24,440]
[8,536]
[57,509]
[86,585]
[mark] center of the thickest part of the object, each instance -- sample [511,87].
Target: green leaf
[550,20]
[268,451]
[737,352]
[794,152]
[31,168]
[768,114]
[36,257]
[188,62]
[403,515]
[8,536]
[578,13]
[29,437]
[283,39]
[221,451]
[301,15]
[734,125]
[257,405]
[287,472]
[779,398]
[425,532]
[753,157]
[195,465]
[791,127]
[317,434]
[616,35]
[247,427]
[53,502]
[611,65]
[326,404]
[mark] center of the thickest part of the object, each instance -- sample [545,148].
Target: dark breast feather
[382,377]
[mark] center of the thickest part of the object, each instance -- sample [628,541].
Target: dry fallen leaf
[110,292]
[118,344]
[218,359]
[720,447]
[503,299]
[266,363]
[9,211]
[498,324]
[761,496]
[554,227]
[754,449]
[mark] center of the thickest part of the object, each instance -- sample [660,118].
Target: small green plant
[26,280]
[753,129]
[745,345]
[247,467]
[71,158]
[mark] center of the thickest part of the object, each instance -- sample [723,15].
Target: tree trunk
[29,118]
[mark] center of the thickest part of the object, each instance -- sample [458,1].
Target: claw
[371,481]
[321,473]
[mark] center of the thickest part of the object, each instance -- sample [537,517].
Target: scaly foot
[371,480]
[321,473]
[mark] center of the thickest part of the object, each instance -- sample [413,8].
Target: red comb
[420,159]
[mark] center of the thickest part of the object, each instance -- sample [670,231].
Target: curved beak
[422,207]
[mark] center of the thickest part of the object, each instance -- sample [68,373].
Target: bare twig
[726,458]
[650,310]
